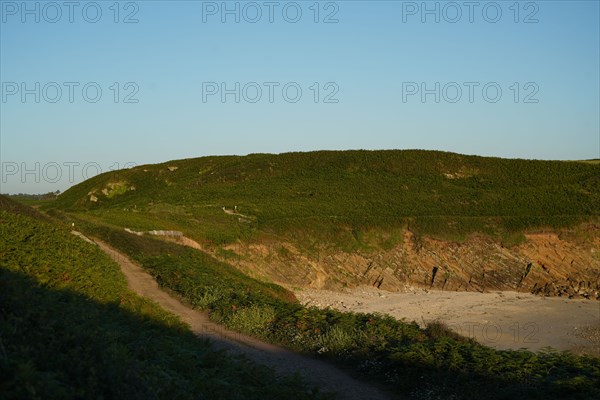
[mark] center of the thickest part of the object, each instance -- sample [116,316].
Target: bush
[254,320]
[338,340]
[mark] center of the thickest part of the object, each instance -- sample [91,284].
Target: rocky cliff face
[565,263]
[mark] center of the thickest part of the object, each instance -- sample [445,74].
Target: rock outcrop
[548,264]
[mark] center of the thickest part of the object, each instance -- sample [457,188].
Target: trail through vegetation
[430,363]
[71,329]
[285,362]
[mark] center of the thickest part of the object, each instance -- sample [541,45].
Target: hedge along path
[323,375]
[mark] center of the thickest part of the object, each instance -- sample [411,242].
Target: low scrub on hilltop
[315,194]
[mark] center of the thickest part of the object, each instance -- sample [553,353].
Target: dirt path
[318,373]
[503,320]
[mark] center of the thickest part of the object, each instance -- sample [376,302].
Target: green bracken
[413,361]
[70,329]
[351,200]
[334,197]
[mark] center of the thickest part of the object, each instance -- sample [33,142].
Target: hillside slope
[70,329]
[382,218]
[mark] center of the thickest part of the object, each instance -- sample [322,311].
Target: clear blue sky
[375,56]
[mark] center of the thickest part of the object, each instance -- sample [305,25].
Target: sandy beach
[503,320]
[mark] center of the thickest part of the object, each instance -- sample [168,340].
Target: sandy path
[318,373]
[503,320]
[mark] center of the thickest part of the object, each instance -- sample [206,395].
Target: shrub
[254,319]
[338,340]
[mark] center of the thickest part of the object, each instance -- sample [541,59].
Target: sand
[503,320]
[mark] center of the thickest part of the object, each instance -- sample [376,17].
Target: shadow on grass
[61,344]
[434,363]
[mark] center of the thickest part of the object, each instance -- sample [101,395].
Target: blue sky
[370,68]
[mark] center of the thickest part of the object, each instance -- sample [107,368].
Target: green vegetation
[352,200]
[70,329]
[33,199]
[335,197]
[431,363]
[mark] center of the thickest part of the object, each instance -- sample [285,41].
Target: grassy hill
[341,199]
[70,328]
[385,218]
[319,193]
[431,363]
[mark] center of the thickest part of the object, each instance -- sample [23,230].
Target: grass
[353,201]
[70,329]
[338,197]
[253,319]
[410,360]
